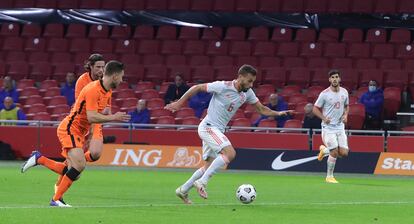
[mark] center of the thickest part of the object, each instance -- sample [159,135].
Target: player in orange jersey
[71,132]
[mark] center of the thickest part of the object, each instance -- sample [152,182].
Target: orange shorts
[69,141]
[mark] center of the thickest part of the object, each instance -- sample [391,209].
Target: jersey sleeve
[321,100]
[91,99]
[215,87]
[251,98]
[79,86]
[346,103]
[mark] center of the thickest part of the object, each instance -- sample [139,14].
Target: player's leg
[331,141]
[343,144]
[76,162]
[94,150]
[325,149]
[37,158]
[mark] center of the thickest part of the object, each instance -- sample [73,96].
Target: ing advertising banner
[150,156]
[395,164]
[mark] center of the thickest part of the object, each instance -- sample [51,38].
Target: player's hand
[286,112]
[345,119]
[327,120]
[122,116]
[173,107]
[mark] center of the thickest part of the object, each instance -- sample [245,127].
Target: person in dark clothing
[200,101]
[141,115]
[68,89]
[311,121]
[373,101]
[8,90]
[278,104]
[176,90]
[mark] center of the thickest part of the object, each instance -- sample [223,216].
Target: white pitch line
[219,204]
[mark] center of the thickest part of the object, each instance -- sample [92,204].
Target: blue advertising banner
[288,160]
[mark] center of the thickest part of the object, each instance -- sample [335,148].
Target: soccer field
[114,195]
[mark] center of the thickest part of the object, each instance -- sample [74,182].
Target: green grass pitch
[115,195]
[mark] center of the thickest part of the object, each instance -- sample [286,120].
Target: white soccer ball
[246,193]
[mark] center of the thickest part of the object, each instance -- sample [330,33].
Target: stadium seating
[356,116]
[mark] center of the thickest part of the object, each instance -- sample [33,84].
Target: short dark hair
[246,69]
[113,67]
[333,72]
[92,60]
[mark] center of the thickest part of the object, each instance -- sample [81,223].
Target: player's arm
[264,110]
[317,111]
[95,117]
[174,106]
[345,115]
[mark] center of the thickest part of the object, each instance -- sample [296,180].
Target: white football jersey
[332,104]
[224,103]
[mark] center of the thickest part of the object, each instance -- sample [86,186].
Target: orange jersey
[93,97]
[82,81]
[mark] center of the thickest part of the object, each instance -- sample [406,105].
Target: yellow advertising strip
[395,164]
[150,156]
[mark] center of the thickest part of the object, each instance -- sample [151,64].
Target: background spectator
[311,121]
[199,102]
[141,115]
[373,101]
[11,112]
[8,90]
[68,89]
[176,90]
[276,103]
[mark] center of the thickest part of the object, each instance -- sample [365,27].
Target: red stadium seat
[171,47]
[98,31]
[149,47]
[80,45]
[10,29]
[349,78]
[362,6]
[405,51]
[240,48]
[179,5]
[194,47]
[293,6]
[156,73]
[189,121]
[339,6]
[201,5]
[203,73]
[152,59]
[306,35]
[316,6]
[35,44]
[365,63]
[58,45]
[103,46]
[294,62]
[167,33]
[90,4]
[376,36]
[149,94]
[400,36]
[183,113]
[18,70]
[269,6]
[217,48]
[127,102]
[31,30]
[53,30]
[269,62]
[264,49]
[288,91]
[226,73]
[311,50]
[390,64]
[299,76]
[36,108]
[293,123]
[359,50]
[281,34]
[35,99]
[76,30]
[112,5]
[46,84]
[152,104]
[392,102]
[41,71]
[124,93]
[335,50]
[250,60]
[288,49]
[352,35]
[51,92]
[57,100]
[183,70]
[227,6]
[144,32]
[165,120]
[296,99]
[383,51]
[189,33]
[318,63]
[60,109]
[235,33]
[266,123]
[275,76]
[385,6]
[13,44]
[134,5]
[222,61]
[396,78]
[340,63]
[406,6]
[15,56]
[240,122]
[36,57]
[156,5]
[125,47]
[259,33]
[299,111]
[215,33]
[356,116]
[328,35]
[42,116]
[371,74]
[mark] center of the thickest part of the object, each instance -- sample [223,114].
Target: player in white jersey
[334,104]
[227,97]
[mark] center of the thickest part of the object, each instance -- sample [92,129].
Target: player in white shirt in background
[227,97]
[334,102]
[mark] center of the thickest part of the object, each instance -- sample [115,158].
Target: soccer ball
[246,193]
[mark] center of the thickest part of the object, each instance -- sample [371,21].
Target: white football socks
[196,175]
[217,163]
[330,166]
